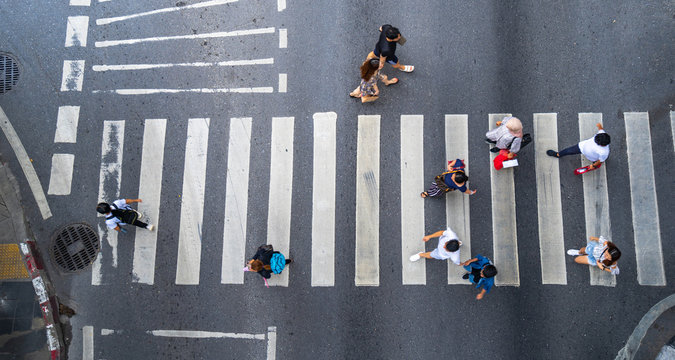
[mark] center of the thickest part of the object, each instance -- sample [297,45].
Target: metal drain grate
[75,247]
[9,70]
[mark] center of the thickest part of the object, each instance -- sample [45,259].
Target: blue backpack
[277,263]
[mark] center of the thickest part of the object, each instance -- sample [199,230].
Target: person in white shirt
[120,213]
[595,149]
[448,247]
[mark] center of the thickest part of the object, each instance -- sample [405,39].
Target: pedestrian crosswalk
[367,210]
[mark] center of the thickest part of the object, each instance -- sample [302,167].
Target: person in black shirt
[385,49]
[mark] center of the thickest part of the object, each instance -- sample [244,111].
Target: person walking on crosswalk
[368,90]
[119,213]
[447,248]
[595,149]
[266,262]
[508,135]
[598,252]
[453,179]
[481,272]
[385,49]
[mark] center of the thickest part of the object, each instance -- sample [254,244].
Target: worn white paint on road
[281,192]
[236,201]
[87,343]
[251,90]
[80,2]
[106,21]
[110,180]
[271,343]
[596,200]
[672,127]
[367,262]
[192,203]
[150,191]
[129,67]
[73,75]
[281,5]
[549,201]
[457,203]
[66,124]
[504,232]
[197,334]
[283,82]
[412,204]
[323,199]
[61,175]
[221,34]
[283,38]
[26,165]
[646,227]
[76,31]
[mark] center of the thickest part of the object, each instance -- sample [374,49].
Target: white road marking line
[61,175]
[106,21]
[150,191]
[281,5]
[412,205]
[127,67]
[81,2]
[367,262]
[26,165]
[283,38]
[672,126]
[192,203]
[504,231]
[76,31]
[253,90]
[66,124]
[268,30]
[283,83]
[646,230]
[73,75]
[236,201]
[281,191]
[106,332]
[110,179]
[87,343]
[196,334]
[596,200]
[323,199]
[271,343]
[457,203]
[549,201]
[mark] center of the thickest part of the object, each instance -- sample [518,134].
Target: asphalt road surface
[232,120]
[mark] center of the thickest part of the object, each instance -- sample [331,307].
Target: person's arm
[481,294]
[436,234]
[383,59]
[602,266]
[470,192]
[466,263]
[593,238]
[594,165]
[453,163]
[599,126]
[377,89]
[131,201]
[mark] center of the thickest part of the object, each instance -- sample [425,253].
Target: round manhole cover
[75,247]
[9,72]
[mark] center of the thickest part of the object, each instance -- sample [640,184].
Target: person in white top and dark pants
[595,149]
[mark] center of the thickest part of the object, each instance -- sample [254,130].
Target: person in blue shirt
[481,272]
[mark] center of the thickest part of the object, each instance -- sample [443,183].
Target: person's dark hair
[452,245]
[461,177]
[368,68]
[256,265]
[103,208]
[392,33]
[489,271]
[614,253]
[602,139]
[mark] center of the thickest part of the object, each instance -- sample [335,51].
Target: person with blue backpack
[266,262]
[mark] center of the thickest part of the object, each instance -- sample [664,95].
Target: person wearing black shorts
[385,49]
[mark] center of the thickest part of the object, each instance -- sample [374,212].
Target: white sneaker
[140,215]
[151,227]
[415,257]
[573,252]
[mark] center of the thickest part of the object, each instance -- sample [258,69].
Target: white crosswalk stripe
[368,209]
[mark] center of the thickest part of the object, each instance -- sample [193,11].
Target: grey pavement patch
[635,344]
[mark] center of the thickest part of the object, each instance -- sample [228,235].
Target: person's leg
[140,224]
[288,261]
[582,260]
[426,255]
[356,93]
[572,150]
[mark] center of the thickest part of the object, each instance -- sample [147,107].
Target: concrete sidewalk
[22,327]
